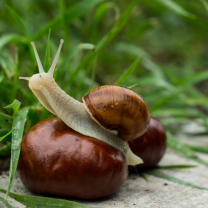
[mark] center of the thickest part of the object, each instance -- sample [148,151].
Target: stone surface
[154,193]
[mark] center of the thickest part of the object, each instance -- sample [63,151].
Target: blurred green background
[157,47]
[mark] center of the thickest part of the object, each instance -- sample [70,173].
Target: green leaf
[1,138]
[173,179]
[43,202]
[18,125]
[175,166]
[6,203]
[128,72]
[47,62]
[170,4]
[203,149]
[71,13]
[183,149]
[15,105]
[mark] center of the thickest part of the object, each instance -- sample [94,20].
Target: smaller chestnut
[57,160]
[151,146]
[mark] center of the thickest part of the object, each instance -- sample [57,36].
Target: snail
[151,146]
[109,115]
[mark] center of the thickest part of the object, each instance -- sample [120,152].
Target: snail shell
[118,108]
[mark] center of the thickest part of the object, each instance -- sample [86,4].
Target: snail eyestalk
[51,70]
[25,78]
[40,67]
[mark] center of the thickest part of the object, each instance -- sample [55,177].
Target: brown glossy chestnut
[151,146]
[57,160]
[118,108]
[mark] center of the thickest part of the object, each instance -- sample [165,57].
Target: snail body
[109,117]
[76,114]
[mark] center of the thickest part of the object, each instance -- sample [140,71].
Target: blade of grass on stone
[175,166]
[142,175]
[18,125]
[172,5]
[6,149]
[128,72]
[47,61]
[202,149]
[173,179]
[74,11]
[6,203]
[43,202]
[183,149]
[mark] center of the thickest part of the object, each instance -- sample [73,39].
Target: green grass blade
[128,72]
[183,149]
[201,149]
[47,62]
[4,39]
[158,78]
[170,4]
[15,105]
[173,179]
[119,25]
[16,75]
[1,138]
[17,19]
[192,79]
[64,25]
[71,13]
[6,203]
[7,63]
[74,52]
[164,100]
[6,149]
[205,4]
[5,125]
[43,202]
[18,123]
[106,39]
[175,166]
